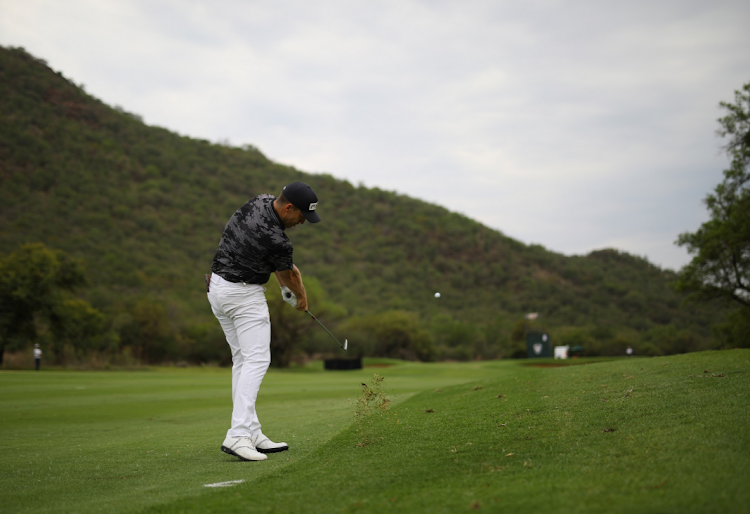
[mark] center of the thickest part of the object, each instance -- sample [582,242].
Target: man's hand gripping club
[292,288]
[288,296]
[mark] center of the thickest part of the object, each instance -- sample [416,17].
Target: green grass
[630,435]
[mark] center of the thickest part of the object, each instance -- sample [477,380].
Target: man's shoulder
[260,217]
[264,199]
[256,205]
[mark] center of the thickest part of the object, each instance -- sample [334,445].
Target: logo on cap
[313,206]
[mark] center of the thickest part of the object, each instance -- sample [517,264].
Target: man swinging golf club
[253,246]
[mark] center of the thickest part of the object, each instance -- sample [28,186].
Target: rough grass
[636,435]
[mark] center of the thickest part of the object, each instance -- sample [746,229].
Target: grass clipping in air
[372,401]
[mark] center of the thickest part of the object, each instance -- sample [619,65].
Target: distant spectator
[629,351]
[37,356]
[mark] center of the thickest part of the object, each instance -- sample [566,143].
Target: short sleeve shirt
[254,244]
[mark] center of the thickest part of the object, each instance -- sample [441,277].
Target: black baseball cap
[304,198]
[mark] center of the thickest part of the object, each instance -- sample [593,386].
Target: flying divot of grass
[372,401]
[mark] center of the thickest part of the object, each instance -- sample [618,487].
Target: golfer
[253,246]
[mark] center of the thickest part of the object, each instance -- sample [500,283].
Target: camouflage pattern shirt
[254,244]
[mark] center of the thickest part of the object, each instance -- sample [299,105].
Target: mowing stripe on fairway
[229,483]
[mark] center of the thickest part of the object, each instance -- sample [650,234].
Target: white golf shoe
[265,445]
[242,447]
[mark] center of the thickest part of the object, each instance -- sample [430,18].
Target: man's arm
[292,278]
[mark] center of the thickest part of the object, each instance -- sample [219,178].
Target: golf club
[346,342]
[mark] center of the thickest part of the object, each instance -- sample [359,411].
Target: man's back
[254,244]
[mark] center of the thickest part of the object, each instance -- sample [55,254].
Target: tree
[148,332]
[396,334]
[720,268]
[33,281]
[737,125]
[80,327]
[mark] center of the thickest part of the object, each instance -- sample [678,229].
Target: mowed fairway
[632,435]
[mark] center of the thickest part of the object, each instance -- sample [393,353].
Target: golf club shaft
[329,332]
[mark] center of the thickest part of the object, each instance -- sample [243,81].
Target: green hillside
[144,209]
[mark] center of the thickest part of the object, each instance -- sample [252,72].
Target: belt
[214,278]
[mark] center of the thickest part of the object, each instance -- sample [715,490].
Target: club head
[346,343]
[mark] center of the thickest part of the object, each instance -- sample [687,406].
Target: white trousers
[243,313]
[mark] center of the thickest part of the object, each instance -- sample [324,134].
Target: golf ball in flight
[437,295]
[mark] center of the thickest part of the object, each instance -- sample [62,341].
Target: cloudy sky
[575,124]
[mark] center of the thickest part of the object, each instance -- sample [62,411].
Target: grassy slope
[680,442]
[120,441]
